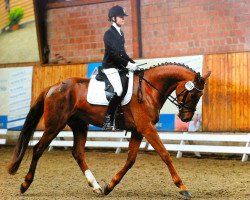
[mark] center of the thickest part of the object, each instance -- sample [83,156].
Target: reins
[140,74]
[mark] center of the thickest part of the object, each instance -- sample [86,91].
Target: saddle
[109,89]
[100,90]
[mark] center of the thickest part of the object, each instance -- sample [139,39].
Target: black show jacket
[115,55]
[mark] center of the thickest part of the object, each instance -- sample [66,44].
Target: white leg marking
[91,180]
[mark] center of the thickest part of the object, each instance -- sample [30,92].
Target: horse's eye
[196,96]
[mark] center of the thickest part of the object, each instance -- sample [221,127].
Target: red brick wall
[76,33]
[169,28]
[186,27]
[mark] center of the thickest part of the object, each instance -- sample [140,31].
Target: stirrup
[108,124]
[108,127]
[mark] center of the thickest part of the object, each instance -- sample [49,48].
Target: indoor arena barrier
[186,143]
[96,139]
[3,133]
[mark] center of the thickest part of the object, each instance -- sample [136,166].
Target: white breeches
[115,80]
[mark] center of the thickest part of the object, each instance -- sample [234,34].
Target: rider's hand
[131,66]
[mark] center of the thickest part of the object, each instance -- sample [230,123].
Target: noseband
[189,86]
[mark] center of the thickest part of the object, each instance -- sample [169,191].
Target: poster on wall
[169,121]
[15,94]
[18,36]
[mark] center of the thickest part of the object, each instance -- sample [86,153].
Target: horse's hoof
[24,187]
[186,194]
[106,189]
[98,191]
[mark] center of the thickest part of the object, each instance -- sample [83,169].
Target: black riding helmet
[116,11]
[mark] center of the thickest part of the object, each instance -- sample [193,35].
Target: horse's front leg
[153,138]
[134,145]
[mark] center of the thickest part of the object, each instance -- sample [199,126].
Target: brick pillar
[136,32]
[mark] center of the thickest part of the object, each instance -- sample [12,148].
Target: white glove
[131,66]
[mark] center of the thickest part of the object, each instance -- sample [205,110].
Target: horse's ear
[207,75]
[198,77]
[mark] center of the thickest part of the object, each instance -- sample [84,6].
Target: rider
[115,58]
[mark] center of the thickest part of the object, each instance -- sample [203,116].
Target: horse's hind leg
[38,150]
[134,145]
[80,130]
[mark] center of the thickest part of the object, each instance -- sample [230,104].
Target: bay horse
[65,104]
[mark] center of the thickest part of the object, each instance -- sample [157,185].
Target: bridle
[189,86]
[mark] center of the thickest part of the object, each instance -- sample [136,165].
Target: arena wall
[174,28]
[226,100]
[168,28]
[76,32]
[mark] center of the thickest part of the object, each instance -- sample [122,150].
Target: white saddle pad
[96,94]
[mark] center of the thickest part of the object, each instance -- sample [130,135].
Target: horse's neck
[174,72]
[166,78]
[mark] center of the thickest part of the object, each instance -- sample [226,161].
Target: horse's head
[188,94]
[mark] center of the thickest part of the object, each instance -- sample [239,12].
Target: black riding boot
[110,115]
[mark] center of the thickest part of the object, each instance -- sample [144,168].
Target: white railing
[98,139]
[237,144]
[184,142]
[3,133]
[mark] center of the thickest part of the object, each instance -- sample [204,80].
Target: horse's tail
[32,119]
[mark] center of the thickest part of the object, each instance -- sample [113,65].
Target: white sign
[15,94]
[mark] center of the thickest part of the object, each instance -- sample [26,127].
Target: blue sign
[166,122]
[95,128]
[3,121]
[91,67]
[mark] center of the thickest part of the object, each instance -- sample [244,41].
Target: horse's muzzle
[185,117]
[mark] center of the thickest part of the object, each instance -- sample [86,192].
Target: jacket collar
[117,28]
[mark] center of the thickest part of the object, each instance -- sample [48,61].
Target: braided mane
[172,63]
